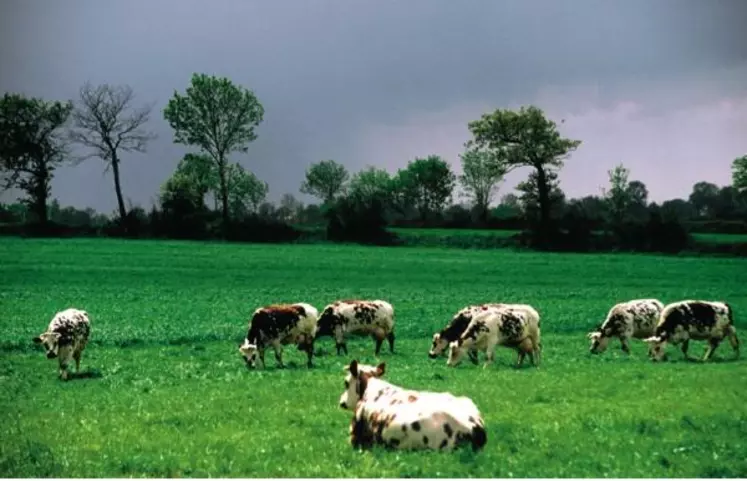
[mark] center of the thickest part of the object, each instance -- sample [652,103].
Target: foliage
[106,123]
[482,173]
[526,138]
[372,184]
[245,191]
[427,183]
[32,146]
[326,180]
[704,198]
[181,387]
[219,117]
[739,173]
[530,196]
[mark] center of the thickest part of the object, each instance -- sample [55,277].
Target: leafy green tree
[426,183]
[106,122]
[530,196]
[32,145]
[201,171]
[617,197]
[325,179]
[482,173]
[219,117]
[704,198]
[525,138]
[245,191]
[372,183]
[289,208]
[739,173]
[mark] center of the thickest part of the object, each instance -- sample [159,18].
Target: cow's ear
[353,368]
[380,369]
[37,340]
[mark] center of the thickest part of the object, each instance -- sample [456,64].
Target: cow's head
[325,323]
[249,352]
[356,381]
[656,347]
[599,341]
[51,343]
[456,351]
[438,346]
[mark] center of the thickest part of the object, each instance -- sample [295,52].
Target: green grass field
[164,392]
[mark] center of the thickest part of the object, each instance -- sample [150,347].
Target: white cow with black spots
[632,319]
[65,338]
[375,318]
[516,327]
[697,320]
[398,418]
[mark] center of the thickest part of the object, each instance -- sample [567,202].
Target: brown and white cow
[375,318]
[398,418]
[632,319]
[65,338]
[697,320]
[456,327]
[516,327]
[276,325]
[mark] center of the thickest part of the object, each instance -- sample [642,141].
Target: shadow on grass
[87,374]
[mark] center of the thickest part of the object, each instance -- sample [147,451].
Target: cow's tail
[479,437]
[729,314]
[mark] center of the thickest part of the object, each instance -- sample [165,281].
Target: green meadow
[163,392]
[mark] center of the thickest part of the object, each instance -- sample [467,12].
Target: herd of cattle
[389,415]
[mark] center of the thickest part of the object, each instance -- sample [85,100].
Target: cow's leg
[390,338]
[712,345]
[278,353]
[537,352]
[76,356]
[684,347]
[624,345]
[489,354]
[261,350]
[310,353]
[520,357]
[472,353]
[378,336]
[734,341]
[340,340]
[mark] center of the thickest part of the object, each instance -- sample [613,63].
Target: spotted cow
[397,418]
[632,319]
[456,327]
[682,321]
[358,317]
[516,327]
[65,338]
[276,325]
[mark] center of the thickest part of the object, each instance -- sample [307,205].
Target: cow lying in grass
[276,325]
[358,317]
[65,338]
[516,327]
[457,325]
[632,319]
[398,418]
[698,320]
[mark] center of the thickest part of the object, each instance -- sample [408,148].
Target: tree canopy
[325,180]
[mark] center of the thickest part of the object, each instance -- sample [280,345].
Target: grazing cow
[516,327]
[632,319]
[276,325]
[456,327]
[397,418]
[358,317]
[66,338]
[698,320]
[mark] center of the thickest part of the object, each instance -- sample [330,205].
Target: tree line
[208,195]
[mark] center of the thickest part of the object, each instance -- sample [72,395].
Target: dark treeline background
[209,197]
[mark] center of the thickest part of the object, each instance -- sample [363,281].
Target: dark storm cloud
[345,79]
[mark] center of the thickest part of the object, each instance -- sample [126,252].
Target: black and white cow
[456,327]
[516,327]
[358,317]
[697,320]
[65,338]
[632,319]
[276,325]
[397,418]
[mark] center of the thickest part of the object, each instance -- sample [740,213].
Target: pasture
[163,391]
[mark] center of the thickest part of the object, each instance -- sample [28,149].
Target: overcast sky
[660,85]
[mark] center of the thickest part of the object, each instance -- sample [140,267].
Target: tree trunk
[544,205]
[118,187]
[223,192]
[39,199]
